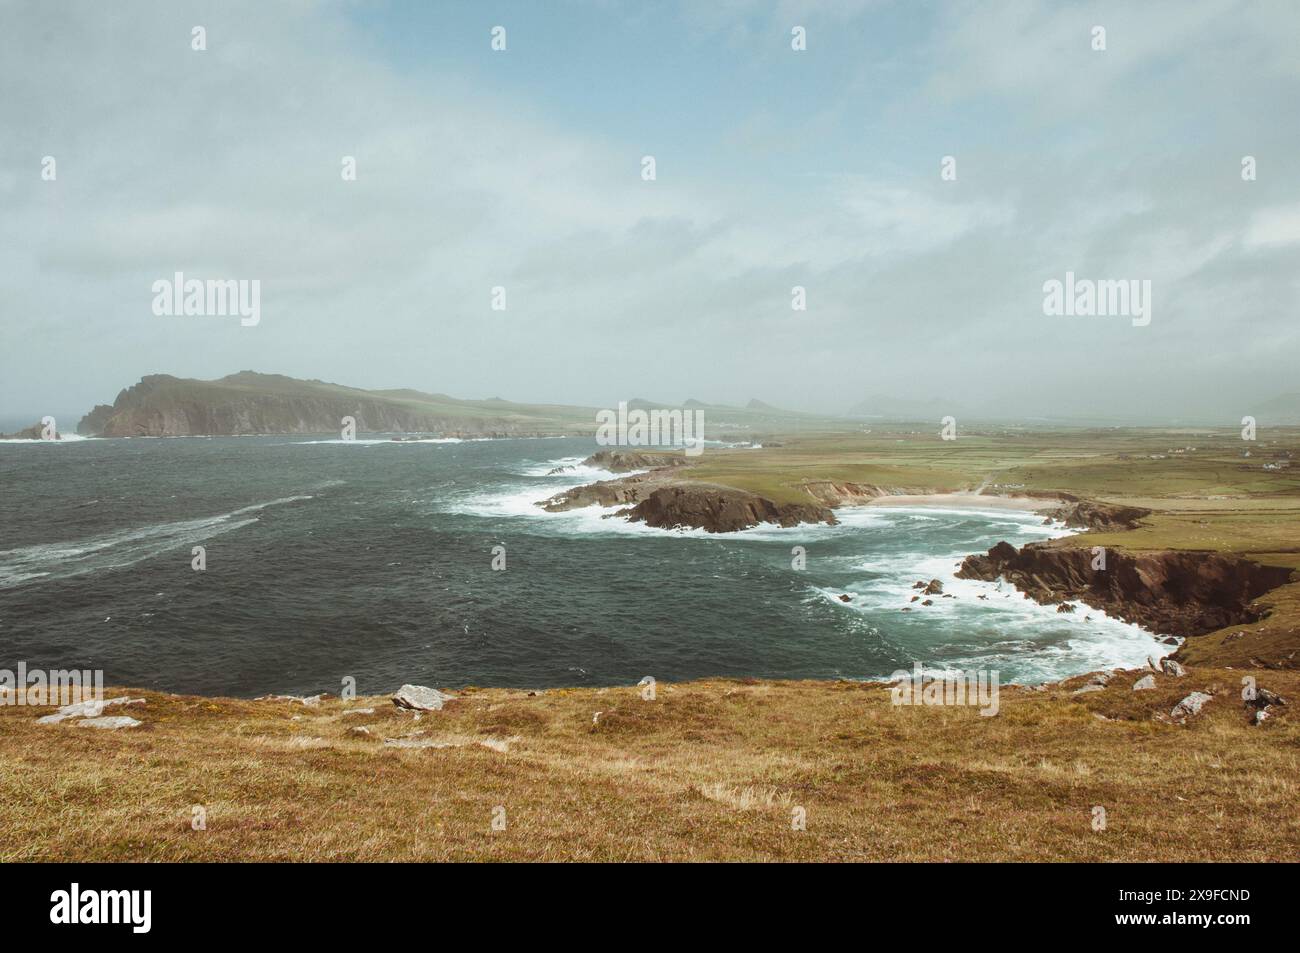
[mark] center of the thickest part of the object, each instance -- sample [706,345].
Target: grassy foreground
[708,770]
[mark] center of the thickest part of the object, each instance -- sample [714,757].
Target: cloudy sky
[774,168]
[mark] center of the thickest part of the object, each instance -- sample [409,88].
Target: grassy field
[1116,465]
[709,770]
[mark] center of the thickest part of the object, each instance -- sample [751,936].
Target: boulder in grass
[1145,683]
[1191,705]
[110,722]
[1264,698]
[420,698]
[1170,667]
[311,701]
[91,708]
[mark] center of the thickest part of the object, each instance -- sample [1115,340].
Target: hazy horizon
[522,169]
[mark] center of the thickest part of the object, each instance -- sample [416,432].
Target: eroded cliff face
[251,403]
[275,415]
[719,509]
[832,493]
[1170,593]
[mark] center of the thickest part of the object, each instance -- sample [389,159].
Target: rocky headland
[1181,593]
[664,498]
[251,403]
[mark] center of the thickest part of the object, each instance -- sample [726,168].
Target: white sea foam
[572,470]
[122,548]
[1041,642]
[63,439]
[1003,630]
[381,441]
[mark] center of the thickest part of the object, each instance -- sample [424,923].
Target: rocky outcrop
[719,509]
[1103,517]
[96,422]
[34,432]
[1173,593]
[605,493]
[624,461]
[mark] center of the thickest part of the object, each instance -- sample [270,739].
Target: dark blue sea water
[373,559]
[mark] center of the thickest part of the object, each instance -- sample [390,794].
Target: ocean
[373,560]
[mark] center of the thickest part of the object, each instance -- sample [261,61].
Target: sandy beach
[970,501]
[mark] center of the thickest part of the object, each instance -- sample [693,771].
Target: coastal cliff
[251,403]
[1180,593]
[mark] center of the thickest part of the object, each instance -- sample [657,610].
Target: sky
[522,169]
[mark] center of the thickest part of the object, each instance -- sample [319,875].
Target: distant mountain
[252,403]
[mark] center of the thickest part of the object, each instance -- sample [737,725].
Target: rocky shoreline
[1179,593]
[1170,593]
[657,490]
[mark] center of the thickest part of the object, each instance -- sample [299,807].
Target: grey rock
[87,709]
[1145,683]
[1191,705]
[1265,697]
[110,722]
[1170,667]
[420,698]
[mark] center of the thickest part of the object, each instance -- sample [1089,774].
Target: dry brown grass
[710,770]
